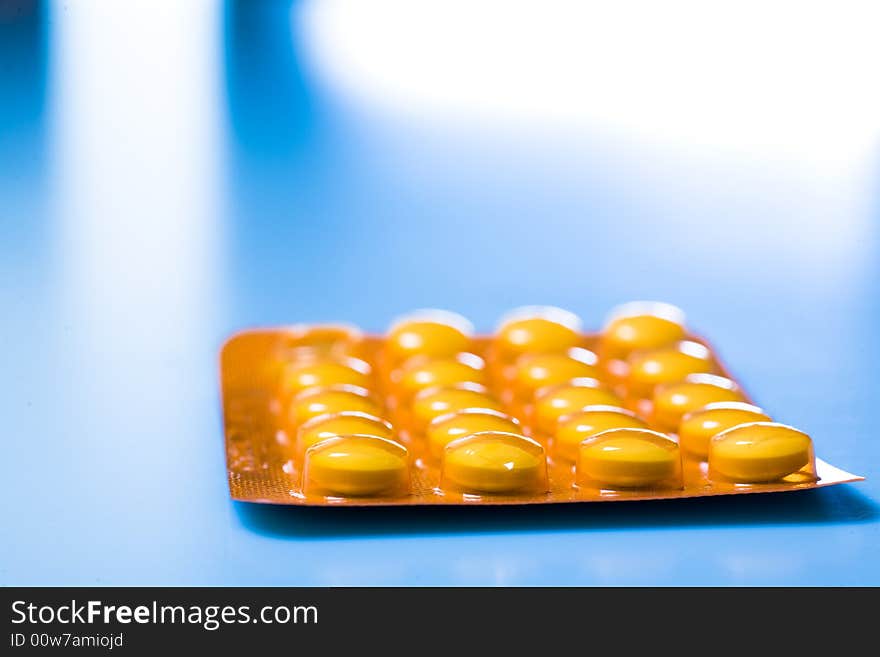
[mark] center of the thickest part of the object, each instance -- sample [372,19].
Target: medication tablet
[494,462]
[673,400]
[641,325]
[759,452]
[446,428]
[628,458]
[666,365]
[340,424]
[426,372]
[574,429]
[535,371]
[434,402]
[537,329]
[698,427]
[323,339]
[318,373]
[332,399]
[435,333]
[555,401]
[356,465]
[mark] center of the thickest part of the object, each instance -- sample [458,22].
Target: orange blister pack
[539,412]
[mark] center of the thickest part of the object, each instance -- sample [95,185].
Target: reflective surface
[172,174]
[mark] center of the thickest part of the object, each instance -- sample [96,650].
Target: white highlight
[138,163]
[783,78]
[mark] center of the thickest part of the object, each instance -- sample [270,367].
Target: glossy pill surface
[323,427]
[673,401]
[538,329]
[666,365]
[535,371]
[494,462]
[426,372]
[628,458]
[321,340]
[759,452]
[574,429]
[356,465]
[446,428]
[332,399]
[324,372]
[698,427]
[434,402]
[438,334]
[553,402]
[640,326]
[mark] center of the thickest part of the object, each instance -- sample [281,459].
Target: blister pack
[538,412]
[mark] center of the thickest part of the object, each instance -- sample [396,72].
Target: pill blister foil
[260,471]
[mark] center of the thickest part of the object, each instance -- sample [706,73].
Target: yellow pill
[494,462]
[434,402]
[698,427]
[446,428]
[537,329]
[345,423]
[673,400]
[332,399]
[426,372]
[322,339]
[639,326]
[556,401]
[435,333]
[666,365]
[574,429]
[759,452]
[325,372]
[628,458]
[535,371]
[356,466]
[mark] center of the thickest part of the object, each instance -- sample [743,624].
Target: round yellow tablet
[322,372]
[434,402]
[452,426]
[759,452]
[537,329]
[628,458]
[535,371]
[494,462]
[673,400]
[641,325]
[666,365]
[435,333]
[320,339]
[340,424]
[356,465]
[574,429]
[555,401]
[425,372]
[331,399]
[698,427]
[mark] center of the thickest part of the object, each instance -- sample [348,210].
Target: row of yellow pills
[581,411]
[441,383]
[483,449]
[445,384]
[340,436]
[583,417]
[454,415]
[645,347]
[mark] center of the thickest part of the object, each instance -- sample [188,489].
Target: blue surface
[165,183]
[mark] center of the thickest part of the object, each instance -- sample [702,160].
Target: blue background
[142,222]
